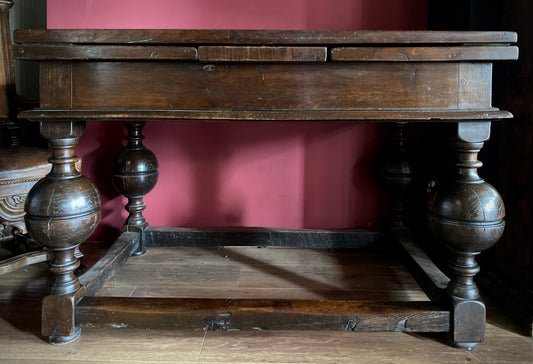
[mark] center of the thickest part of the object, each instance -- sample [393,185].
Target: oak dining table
[398,78]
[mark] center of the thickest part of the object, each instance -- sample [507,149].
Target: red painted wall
[305,175]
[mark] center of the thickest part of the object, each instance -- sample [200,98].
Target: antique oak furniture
[140,76]
[20,166]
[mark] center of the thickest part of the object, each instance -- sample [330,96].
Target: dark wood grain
[58,318]
[308,238]
[430,54]
[249,314]
[269,76]
[255,37]
[20,312]
[111,262]
[466,214]
[62,211]
[265,115]
[307,87]
[430,278]
[261,54]
[22,260]
[135,174]
[58,74]
[117,52]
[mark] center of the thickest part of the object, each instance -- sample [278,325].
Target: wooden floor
[244,272]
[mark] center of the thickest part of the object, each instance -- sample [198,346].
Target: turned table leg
[395,172]
[466,214]
[134,175]
[62,211]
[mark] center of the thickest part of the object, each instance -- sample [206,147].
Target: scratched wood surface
[250,272]
[310,86]
[21,291]
[232,36]
[404,54]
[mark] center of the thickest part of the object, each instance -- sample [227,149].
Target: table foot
[59,324]
[468,319]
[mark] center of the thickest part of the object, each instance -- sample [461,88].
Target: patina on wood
[429,54]
[302,238]
[284,76]
[254,37]
[249,314]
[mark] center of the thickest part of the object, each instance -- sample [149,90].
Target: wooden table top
[258,75]
[254,37]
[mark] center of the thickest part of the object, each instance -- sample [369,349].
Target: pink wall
[306,175]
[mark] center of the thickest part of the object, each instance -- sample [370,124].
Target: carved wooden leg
[135,174]
[62,211]
[395,173]
[466,214]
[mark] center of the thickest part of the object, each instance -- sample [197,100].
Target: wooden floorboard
[244,272]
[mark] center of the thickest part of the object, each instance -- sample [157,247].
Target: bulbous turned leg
[134,175]
[466,214]
[395,172]
[62,211]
